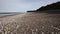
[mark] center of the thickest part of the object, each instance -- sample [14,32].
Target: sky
[23,5]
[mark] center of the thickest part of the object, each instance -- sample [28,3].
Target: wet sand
[30,23]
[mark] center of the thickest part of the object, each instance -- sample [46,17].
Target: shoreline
[8,15]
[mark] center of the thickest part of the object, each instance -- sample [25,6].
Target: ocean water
[10,13]
[5,14]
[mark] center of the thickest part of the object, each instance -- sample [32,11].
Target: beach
[30,23]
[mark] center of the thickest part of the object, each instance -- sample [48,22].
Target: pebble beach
[30,23]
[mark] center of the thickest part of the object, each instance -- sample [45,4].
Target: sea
[4,14]
[10,13]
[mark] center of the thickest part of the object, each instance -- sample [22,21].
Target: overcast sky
[22,5]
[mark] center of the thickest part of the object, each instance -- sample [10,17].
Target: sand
[30,23]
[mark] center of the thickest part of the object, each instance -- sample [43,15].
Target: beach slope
[30,23]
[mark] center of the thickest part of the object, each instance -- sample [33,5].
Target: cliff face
[54,6]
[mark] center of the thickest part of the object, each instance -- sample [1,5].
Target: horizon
[23,5]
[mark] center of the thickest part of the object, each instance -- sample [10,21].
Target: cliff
[53,6]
